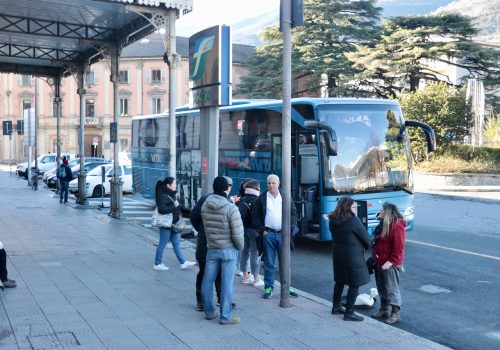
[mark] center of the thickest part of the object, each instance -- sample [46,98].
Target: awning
[47,37]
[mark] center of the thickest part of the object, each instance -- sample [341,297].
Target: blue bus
[340,146]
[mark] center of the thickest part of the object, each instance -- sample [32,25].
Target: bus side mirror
[329,135]
[430,136]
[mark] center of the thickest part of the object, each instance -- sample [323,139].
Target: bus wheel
[98,191]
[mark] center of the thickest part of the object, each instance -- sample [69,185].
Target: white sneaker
[187,264]
[239,273]
[160,267]
[258,283]
[247,280]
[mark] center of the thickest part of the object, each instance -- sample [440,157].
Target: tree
[444,108]
[408,44]
[266,68]
[331,28]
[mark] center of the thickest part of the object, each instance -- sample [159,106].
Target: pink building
[143,90]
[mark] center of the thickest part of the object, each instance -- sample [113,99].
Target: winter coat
[165,198]
[69,174]
[391,248]
[197,222]
[259,213]
[350,240]
[222,223]
[244,206]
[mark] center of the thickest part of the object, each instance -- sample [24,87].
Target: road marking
[454,249]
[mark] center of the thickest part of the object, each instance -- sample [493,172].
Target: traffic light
[7,127]
[20,127]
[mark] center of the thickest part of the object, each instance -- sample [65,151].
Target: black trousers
[3,265]
[352,293]
[199,281]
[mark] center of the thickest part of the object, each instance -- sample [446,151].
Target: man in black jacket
[266,217]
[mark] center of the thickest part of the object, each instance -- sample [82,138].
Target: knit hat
[65,161]
[220,184]
[229,180]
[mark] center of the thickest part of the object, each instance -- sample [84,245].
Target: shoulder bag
[179,225]
[161,220]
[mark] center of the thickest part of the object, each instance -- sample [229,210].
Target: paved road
[450,288]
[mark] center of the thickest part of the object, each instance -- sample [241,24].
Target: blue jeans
[272,246]
[225,260]
[64,191]
[250,250]
[165,235]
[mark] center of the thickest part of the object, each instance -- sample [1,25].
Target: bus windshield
[373,149]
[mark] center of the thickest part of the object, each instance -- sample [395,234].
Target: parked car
[75,169]
[94,185]
[52,172]
[45,162]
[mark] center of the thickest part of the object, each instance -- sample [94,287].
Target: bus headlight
[408,214]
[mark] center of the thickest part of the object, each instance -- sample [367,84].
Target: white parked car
[46,162]
[94,185]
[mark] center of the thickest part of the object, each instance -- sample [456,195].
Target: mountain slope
[485,14]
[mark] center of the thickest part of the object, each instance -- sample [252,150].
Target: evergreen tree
[408,44]
[331,28]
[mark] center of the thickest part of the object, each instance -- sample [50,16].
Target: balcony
[95,122]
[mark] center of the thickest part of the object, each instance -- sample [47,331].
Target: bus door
[305,166]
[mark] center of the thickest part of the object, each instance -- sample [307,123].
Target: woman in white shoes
[167,203]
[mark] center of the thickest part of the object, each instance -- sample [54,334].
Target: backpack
[61,172]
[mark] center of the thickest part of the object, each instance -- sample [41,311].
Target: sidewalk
[87,283]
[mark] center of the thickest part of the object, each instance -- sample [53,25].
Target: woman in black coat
[350,240]
[166,202]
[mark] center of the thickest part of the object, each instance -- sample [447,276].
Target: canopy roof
[48,37]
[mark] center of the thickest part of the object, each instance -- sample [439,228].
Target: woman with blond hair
[388,254]
[350,240]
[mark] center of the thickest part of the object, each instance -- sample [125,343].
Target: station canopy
[50,37]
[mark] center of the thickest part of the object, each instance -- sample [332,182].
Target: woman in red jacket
[388,254]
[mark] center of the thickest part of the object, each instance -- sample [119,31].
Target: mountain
[485,14]
[247,31]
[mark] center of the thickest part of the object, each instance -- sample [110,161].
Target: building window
[156,105]
[123,77]
[26,80]
[124,145]
[156,76]
[91,77]
[89,108]
[26,104]
[124,107]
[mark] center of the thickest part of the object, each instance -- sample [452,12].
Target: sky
[208,13]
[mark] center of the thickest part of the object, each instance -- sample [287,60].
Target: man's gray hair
[273,177]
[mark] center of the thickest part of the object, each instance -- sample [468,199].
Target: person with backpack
[251,193]
[65,175]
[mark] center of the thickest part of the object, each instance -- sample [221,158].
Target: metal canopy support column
[57,101]
[170,39]
[82,190]
[160,18]
[116,208]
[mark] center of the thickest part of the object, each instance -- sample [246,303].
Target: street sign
[113,132]
[20,127]
[7,127]
[297,12]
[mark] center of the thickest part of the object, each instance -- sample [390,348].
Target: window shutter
[149,76]
[163,75]
[96,77]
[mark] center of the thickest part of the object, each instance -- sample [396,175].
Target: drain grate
[29,207]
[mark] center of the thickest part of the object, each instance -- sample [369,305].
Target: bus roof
[239,104]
